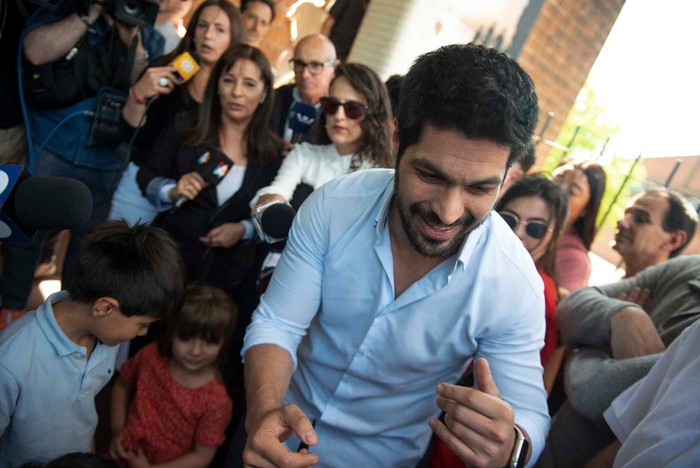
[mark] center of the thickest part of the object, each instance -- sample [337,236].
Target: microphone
[29,203]
[213,166]
[273,221]
[186,66]
[301,119]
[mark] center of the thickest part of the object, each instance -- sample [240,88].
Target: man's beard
[426,246]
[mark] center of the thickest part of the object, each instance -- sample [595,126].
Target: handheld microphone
[213,166]
[186,66]
[273,221]
[29,203]
[301,119]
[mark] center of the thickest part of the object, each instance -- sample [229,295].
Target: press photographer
[60,46]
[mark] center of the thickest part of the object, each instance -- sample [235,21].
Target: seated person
[169,403]
[353,132]
[655,420]
[53,361]
[585,186]
[617,331]
[657,225]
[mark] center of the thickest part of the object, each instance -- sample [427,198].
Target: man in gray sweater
[617,333]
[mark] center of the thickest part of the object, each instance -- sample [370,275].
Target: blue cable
[48,137]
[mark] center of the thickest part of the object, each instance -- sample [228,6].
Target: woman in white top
[352,132]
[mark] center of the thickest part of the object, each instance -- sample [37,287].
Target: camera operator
[67,35]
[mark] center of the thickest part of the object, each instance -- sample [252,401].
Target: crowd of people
[431,305]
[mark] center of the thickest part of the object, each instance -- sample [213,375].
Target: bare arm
[268,371]
[119,409]
[50,42]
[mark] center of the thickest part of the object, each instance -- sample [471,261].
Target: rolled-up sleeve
[294,294]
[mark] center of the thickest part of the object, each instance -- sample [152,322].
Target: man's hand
[641,297]
[478,423]
[633,334]
[267,432]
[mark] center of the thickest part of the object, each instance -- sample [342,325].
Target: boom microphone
[301,119]
[212,166]
[30,203]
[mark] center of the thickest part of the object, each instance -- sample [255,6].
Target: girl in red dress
[169,403]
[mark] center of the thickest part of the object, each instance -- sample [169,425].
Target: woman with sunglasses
[352,132]
[536,209]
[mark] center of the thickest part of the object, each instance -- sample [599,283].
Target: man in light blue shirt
[391,283]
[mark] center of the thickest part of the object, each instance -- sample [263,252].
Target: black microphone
[301,119]
[30,203]
[274,221]
[213,165]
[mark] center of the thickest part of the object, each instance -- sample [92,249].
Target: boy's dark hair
[207,313]
[269,3]
[557,202]
[479,92]
[679,217]
[139,266]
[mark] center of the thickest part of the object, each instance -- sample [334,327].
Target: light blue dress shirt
[366,363]
[47,388]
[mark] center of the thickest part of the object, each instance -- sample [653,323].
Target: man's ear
[104,306]
[676,239]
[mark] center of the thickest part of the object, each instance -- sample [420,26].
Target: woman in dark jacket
[213,225]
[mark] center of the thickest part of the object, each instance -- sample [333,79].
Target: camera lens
[133,8]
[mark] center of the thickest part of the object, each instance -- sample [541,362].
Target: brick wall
[560,51]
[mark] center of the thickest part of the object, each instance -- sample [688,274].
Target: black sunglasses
[534,229]
[353,110]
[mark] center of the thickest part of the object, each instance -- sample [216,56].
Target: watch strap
[517,458]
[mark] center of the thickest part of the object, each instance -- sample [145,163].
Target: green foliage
[590,130]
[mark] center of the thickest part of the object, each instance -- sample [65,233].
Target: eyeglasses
[534,229]
[353,110]
[314,67]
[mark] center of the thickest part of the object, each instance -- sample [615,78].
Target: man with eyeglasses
[314,65]
[393,281]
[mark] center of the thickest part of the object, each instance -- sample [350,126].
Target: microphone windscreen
[301,117]
[52,203]
[276,220]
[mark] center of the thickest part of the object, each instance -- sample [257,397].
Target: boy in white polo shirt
[54,360]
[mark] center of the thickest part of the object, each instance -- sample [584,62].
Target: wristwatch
[517,458]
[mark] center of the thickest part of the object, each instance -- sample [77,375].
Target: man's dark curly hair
[480,92]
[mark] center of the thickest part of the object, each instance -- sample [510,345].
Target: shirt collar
[467,247]
[47,321]
[297,97]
